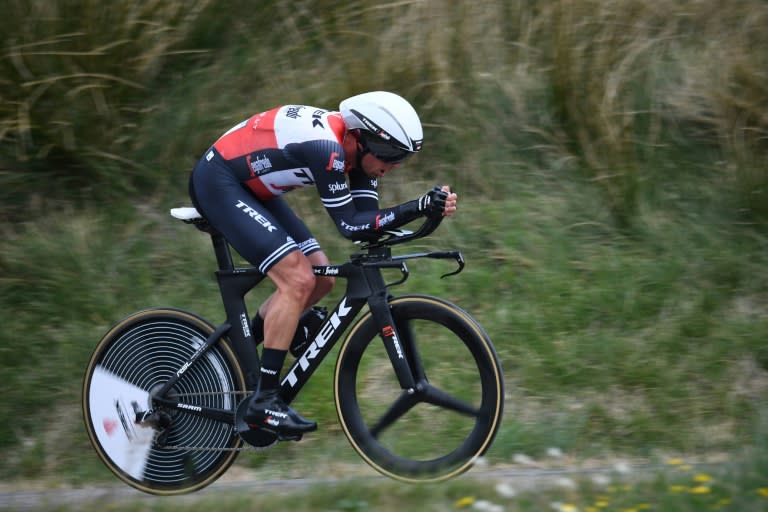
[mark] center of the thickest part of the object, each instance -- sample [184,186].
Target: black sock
[257,328]
[272,361]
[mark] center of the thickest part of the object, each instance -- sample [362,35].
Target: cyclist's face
[374,167]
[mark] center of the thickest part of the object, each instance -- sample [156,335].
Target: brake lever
[444,255]
[459,259]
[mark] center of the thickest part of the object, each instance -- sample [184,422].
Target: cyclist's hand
[450,201]
[432,204]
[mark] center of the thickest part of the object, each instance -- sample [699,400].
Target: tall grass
[603,86]
[75,80]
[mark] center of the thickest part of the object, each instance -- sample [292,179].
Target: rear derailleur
[160,421]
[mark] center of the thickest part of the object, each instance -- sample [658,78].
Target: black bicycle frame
[365,284]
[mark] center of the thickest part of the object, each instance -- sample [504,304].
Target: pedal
[255,437]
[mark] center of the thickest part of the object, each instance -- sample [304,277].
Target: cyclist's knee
[293,275]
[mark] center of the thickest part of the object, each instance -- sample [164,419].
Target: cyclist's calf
[295,283]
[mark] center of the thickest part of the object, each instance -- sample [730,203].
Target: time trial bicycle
[418,385]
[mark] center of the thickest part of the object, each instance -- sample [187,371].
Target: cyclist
[238,184]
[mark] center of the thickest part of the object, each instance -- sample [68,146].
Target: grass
[610,159]
[670,485]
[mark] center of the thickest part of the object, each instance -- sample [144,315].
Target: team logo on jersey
[259,164]
[294,112]
[357,227]
[316,115]
[383,220]
[337,187]
[334,164]
[256,216]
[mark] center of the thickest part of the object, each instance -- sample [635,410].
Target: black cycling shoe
[267,411]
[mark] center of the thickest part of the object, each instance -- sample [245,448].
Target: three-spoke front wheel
[439,429]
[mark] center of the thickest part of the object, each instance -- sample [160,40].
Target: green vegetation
[673,486]
[610,158]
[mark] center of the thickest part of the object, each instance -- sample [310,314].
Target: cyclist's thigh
[252,230]
[293,224]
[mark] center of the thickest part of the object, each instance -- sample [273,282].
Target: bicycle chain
[244,447]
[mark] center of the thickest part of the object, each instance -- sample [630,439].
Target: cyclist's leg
[306,242]
[258,236]
[309,247]
[294,280]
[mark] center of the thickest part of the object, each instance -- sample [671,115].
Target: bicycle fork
[397,350]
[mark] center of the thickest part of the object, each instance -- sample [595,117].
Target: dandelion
[699,489]
[465,502]
[675,462]
[702,478]
[763,491]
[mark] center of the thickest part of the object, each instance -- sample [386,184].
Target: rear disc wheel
[131,362]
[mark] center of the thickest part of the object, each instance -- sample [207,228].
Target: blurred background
[611,162]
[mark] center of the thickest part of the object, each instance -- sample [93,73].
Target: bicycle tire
[450,356]
[137,356]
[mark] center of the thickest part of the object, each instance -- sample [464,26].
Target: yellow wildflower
[674,461]
[699,489]
[702,478]
[465,502]
[763,491]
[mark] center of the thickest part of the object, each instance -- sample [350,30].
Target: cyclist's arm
[364,190]
[326,161]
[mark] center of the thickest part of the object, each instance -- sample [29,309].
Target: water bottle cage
[309,324]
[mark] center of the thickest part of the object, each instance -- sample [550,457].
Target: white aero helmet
[389,126]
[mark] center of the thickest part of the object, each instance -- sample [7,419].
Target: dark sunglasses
[382,149]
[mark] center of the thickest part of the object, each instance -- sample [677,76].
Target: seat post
[221,249]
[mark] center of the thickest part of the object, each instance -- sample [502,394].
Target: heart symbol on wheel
[109,426]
